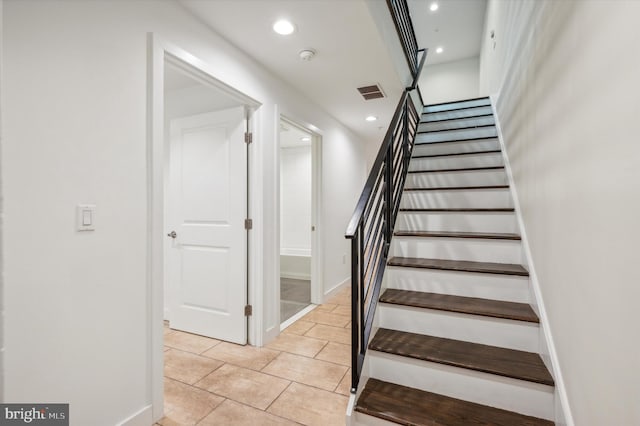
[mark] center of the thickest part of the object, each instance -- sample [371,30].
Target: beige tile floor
[302,377]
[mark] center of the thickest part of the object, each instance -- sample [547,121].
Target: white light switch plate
[86,217]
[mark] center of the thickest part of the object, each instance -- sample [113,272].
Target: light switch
[86,217]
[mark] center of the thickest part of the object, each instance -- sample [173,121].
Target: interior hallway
[302,377]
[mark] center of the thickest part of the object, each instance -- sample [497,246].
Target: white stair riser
[360,419]
[456,124]
[456,147]
[518,335]
[457,105]
[474,249]
[456,162]
[452,135]
[457,221]
[473,198]
[463,178]
[510,288]
[461,113]
[508,394]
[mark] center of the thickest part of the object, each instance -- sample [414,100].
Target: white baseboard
[350,414]
[335,289]
[144,417]
[563,413]
[295,276]
[297,316]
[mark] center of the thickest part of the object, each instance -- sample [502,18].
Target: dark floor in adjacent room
[295,295]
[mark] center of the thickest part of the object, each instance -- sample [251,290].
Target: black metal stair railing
[371,226]
[404,26]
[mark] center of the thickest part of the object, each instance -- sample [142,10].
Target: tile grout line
[252,407]
[305,384]
[212,410]
[343,376]
[279,395]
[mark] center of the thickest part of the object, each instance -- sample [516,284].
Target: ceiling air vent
[371,92]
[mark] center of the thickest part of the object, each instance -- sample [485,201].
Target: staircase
[456,341]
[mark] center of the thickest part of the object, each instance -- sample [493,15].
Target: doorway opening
[299,283]
[205,207]
[204,135]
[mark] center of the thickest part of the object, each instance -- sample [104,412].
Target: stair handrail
[371,226]
[404,27]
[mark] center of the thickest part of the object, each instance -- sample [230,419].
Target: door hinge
[248,224]
[248,137]
[248,310]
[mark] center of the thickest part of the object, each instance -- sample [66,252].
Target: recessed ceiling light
[439,50]
[371,118]
[283,27]
[305,139]
[434,6]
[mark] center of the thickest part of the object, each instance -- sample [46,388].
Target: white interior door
[207,206]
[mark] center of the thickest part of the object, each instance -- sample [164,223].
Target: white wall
[295,200]
[295,212]
[379,12]
[451,81]
[74,111]
[2,295]
[567,78]
[195,100]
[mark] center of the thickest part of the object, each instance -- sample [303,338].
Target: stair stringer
[547,351]
[354,418]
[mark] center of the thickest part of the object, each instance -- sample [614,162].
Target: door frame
[317,291]
[158,52]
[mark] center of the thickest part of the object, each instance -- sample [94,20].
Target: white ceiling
[175,79]
[350,51]
[456,26]
[291,136]
[187,96]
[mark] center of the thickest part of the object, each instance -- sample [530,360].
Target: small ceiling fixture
[434,6]
[307,54]
[283,27]
[439,50]
[371,118]
[305,139]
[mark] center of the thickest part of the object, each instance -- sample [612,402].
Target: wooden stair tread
[424,108]
[414,407]
[480,126]
[468,169]
[457,188]
[452,154]
[455,140]
[460,304]
[460,265]
[447,234]
[468,117]
[504,362]
[462,210]
[460,101]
